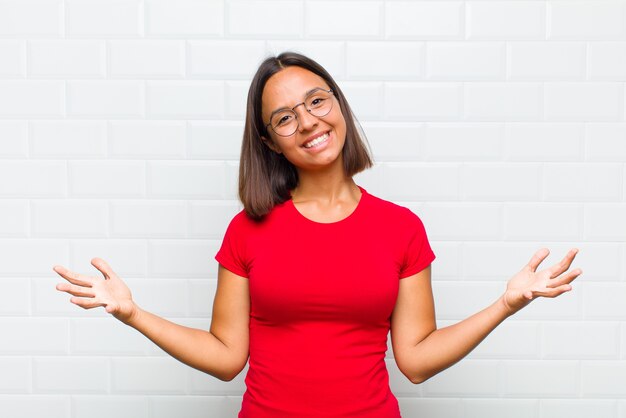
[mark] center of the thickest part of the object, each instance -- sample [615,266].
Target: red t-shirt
[321,298]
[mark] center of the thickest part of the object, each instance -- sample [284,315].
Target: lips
[316,140]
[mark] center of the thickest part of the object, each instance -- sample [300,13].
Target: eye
[282,120]
[317,101]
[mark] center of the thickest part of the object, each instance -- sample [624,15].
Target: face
[318,141]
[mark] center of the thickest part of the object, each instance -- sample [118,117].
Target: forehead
[287,87]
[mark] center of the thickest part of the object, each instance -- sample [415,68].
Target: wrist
[503,305]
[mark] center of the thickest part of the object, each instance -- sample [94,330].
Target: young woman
[315,272]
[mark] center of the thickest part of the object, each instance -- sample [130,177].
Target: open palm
[91,292]
[530,283]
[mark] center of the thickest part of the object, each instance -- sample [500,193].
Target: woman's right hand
[91,292]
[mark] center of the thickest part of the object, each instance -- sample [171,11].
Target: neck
[327,186]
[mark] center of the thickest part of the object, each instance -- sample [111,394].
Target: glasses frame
[293,109]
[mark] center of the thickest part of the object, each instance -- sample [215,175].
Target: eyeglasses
[319,103]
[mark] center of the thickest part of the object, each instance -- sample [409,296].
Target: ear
[271,145]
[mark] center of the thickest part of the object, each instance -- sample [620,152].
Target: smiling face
[318,141]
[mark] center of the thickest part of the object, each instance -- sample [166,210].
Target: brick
[247,17]
[513,340]
[365,99]
[541,379]
[185,99]
[147,58]
[69,219]
[542,141]
[535,221]
[16,375]
[14,219]
[73,375]
[13,138]
[463,142]
[231,181]
[330,54]
[106,337]
[506,19]
[422,101]
[138,219]
[32,179]
[210,219]
[501,181]
[35,406]
[30,336]
[583,182]
[148,375]
[215,140]
[394,60]
[32,98]
[461,379]
[147,139]
[496,261]
[547,61]
[68,139]
[47,301]
[105,178]
[605,142]
[15,299]
[602,301]
[183,259]
[398,382]
[587,20]
[459,300]
[605,222]
[186,180]
[104,17]
[603,259]
[607,60]
[105,99]
[599,379]
[24,257]
[225,59]
[184,18]
[12,58]
[195,407]
[106,406]
[448,260]
[205,384]
[201,296]
[583,101]
[466,61]
[392,141]
[236,99]
[127,257]
[582,340]
[430,407]
[67,58]
[463,221]
[511,408]
[445,188]
[577,408]
[336,19]
[496,101]
[424,20]
[17,18]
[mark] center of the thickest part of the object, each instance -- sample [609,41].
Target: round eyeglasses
[319,103]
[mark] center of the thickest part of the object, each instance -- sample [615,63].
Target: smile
[317,141]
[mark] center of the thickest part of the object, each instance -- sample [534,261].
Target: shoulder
[392,210]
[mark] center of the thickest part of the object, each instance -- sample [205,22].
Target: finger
[73,277]
[76,290]
[103,266]
[86,303]
[567,278]
[565,264]
[554,292]
[537,258]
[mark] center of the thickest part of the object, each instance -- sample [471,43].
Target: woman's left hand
[530,283]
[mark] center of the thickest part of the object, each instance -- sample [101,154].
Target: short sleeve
[418,253]
[232,254]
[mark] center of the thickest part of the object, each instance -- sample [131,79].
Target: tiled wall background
[501,123]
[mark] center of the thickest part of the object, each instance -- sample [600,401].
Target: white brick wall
[502,123]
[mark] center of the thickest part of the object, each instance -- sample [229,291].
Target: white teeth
[316,141]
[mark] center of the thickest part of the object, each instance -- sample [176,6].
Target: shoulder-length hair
[266,177]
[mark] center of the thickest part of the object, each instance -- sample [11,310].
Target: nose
[306,121]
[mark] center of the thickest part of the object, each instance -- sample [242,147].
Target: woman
[315,271]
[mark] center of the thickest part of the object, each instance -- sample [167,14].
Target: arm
[221,352]
[421,350]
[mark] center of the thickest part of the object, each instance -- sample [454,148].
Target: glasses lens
[319,103]
[284,123]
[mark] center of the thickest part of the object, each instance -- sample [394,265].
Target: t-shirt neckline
[340,221]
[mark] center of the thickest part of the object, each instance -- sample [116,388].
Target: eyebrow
[305,95]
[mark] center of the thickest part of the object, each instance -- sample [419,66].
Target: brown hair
[265,177]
